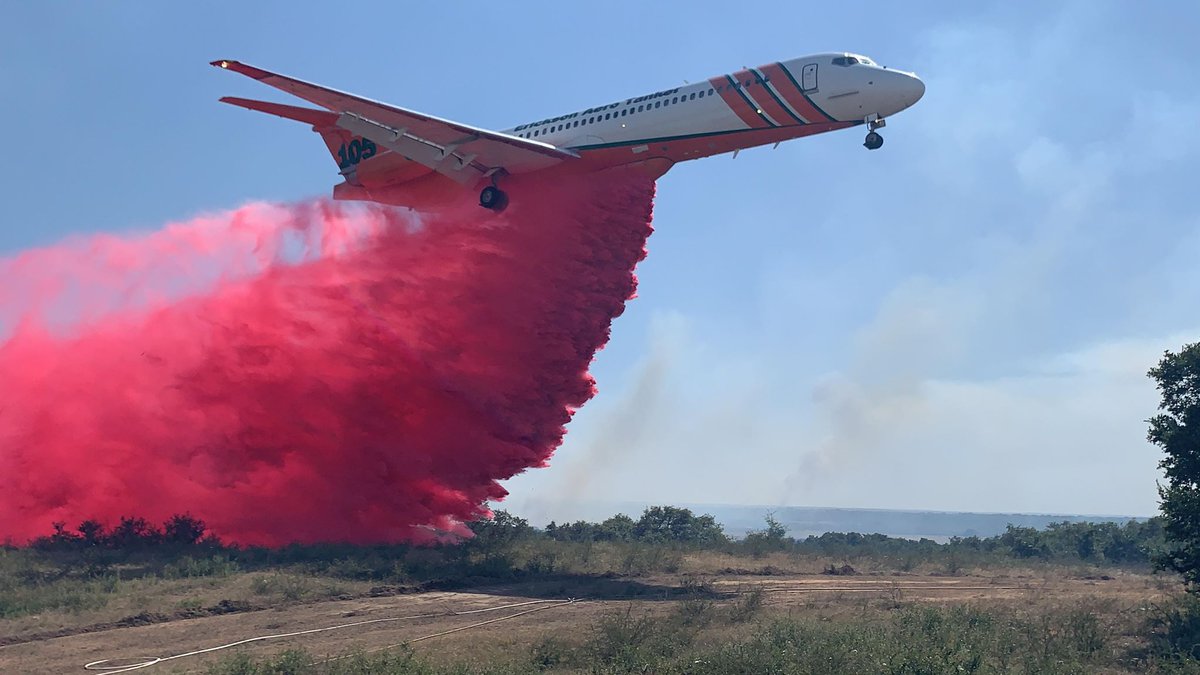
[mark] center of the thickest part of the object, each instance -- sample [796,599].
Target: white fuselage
[823,89]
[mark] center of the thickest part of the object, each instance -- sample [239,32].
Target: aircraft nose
[913,88]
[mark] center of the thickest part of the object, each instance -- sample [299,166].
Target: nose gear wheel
[874,141]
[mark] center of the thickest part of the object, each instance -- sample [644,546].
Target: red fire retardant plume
[349,373]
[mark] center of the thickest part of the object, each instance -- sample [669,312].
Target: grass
[706,639]
[59,589]
[65,595]
[69,584]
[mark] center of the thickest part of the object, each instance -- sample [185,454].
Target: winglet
[239,67]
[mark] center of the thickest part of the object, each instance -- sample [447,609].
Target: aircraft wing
[462,152]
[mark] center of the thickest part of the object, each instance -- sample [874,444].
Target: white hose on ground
[146,662]
[558,603]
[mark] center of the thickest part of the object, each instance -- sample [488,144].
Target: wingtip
[239,67]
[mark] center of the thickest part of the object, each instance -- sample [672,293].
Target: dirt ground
[521,614]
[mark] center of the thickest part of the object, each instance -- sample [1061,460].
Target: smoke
[621,430]
[312,372]
[919,334]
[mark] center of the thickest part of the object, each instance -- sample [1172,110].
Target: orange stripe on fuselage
[787,89]
[766,102]
[738,104]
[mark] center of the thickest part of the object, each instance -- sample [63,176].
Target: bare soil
[64,643]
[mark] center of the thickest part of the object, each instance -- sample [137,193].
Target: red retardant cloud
[371,385]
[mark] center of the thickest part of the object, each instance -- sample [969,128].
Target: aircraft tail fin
[346,148]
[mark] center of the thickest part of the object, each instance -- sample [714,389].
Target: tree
[132,532]
[500,530]
[1025,542]
[184,529]
[92,533]
[671,523]
[773,538]
[619,528]
[1176,429]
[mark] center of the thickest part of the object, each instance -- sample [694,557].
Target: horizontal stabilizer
[317,118]
[460,151]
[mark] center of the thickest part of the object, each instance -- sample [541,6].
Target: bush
[1174,630]
[190,568]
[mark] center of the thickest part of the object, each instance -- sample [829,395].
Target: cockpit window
[851,60]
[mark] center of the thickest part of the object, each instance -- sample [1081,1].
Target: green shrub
[188,567]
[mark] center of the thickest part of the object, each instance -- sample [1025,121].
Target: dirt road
[517,615]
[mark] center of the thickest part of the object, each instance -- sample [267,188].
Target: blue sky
[959,321]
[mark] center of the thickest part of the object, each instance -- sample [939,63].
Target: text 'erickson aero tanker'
[388,154]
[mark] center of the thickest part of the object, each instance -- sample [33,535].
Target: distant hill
[802,521]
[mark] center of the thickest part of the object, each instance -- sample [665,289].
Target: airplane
[391,155]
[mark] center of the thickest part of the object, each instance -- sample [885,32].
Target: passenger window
[710,92]
[692,97]
[640,108]
[675,100]
[657,104]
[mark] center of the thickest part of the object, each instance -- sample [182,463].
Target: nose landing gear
[874,141]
